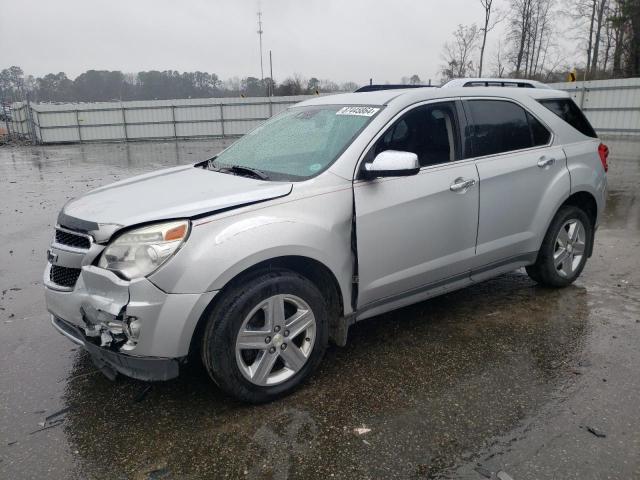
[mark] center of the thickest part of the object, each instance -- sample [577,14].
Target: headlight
[139,252]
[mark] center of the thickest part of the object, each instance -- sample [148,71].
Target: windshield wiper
[238,170]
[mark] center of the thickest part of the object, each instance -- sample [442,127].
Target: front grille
[76,240]
[64,276]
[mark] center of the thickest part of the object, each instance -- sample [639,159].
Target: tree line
[606,34]
[103,85]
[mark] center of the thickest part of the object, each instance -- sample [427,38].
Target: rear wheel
[265,336]
[564,250]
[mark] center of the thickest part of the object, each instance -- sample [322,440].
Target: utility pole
[260,36]
[271,84]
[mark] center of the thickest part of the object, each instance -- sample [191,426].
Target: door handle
[545,162]
[461,185]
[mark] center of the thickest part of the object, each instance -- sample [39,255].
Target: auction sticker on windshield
[359,111]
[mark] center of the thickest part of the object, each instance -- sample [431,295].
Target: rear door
[413,232]
[523,180]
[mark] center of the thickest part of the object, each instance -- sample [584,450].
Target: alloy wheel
[569,247]
[275,340]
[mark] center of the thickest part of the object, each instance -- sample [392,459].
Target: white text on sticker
[359,111]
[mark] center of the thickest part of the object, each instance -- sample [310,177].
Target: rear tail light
[603,151]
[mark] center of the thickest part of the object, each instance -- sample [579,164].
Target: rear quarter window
[568,111]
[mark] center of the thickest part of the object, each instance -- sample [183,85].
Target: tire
[263,307]
[550,269]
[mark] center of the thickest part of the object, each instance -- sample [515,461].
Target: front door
[416,231]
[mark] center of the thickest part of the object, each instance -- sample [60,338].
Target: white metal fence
[612,106]
[17,120]
[145,120]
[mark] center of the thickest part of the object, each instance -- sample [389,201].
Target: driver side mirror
[392,163]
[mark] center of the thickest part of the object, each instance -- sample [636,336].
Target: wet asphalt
[501,380]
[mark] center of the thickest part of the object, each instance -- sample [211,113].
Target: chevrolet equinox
[338,209]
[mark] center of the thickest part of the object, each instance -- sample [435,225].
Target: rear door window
[567,110]
[498,126]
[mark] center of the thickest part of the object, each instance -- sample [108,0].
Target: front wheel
[265,336]
[564,250]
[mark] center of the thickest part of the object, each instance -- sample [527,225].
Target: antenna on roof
[260,31]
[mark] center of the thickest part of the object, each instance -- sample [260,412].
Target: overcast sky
[336,39]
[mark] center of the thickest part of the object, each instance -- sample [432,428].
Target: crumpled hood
[179,192]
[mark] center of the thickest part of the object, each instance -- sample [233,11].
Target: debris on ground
[502,475]
[143,394]
[51,421]
[362,430]
[51,425]
[54,416]
[483,471]
[153,472]
[596,432]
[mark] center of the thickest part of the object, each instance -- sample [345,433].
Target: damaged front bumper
[130,327]
[110,363]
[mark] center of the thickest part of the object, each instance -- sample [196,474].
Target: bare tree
[499,62]
[618,24]
[529,35]
[489,24]
[588,19]
[458,52]
[349,86]
[609,39]
[520,23]
[600,6]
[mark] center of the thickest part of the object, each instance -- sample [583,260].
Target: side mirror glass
[392,163]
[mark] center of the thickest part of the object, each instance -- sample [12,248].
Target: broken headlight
[138,253]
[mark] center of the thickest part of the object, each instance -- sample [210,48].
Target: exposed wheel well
[586,202]
[312,269]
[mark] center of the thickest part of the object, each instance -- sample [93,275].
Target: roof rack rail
[494,82]
[397,86]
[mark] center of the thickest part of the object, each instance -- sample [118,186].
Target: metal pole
[30,126]
[124,123]
[78,123]
[260,36]
[222,118]
[173,118]
[584,86]
[271,83]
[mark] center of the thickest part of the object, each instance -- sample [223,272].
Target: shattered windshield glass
[298,143]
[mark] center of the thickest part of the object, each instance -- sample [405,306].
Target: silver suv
[338,209]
